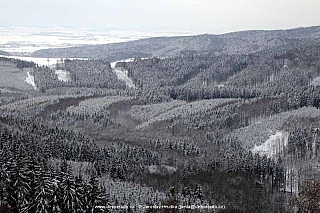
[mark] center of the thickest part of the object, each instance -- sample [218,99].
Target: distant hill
[230,43]
[4,53]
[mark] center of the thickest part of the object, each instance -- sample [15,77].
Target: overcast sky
[203,16]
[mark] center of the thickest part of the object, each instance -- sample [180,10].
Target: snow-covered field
[14,78]
[113,64]
[123,77]
[30,80]
[316,81]
[121,74]
[63,75]
[259,132]
[274,145]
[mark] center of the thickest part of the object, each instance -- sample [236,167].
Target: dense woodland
[211,123]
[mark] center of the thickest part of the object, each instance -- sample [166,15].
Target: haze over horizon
[198,16]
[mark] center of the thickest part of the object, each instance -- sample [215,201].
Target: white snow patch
[161,169]
[123,77]
[274,145]
[113,64]
[63,75]
[122,74]
[316,81]
[30,80]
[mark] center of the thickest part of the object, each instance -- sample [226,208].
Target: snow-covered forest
[234,124]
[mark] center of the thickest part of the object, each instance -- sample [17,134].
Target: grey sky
[205,16]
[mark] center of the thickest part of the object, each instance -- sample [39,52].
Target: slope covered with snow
[123,77]
[113,64]
[274,145]
[63,75]
[30,80]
